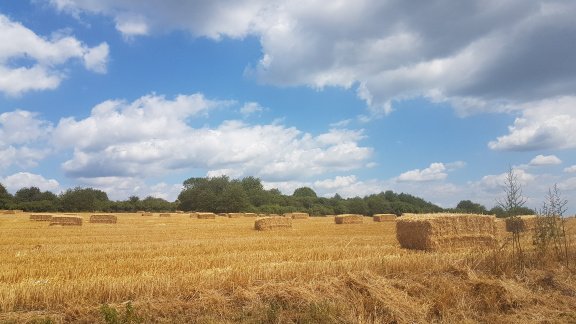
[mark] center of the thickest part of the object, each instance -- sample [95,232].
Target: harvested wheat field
[182,270]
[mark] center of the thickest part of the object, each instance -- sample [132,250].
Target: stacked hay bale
[297,215]
[40,218]
[66,220]
[434,232]
[206,215]
[235,215]
[273,223]
[147,214]
[348,219]
[384,217]
[165,215]
[520,224]
[103,219]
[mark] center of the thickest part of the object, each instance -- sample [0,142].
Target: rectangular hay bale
[66,220]
[250,215]
[147,214]
[297,215]
[434,232]
[206,215]
[519,224]
[165,215]
[273,223]
[349,219]
[235,215]
[384,217]
[40,218]
[103,219]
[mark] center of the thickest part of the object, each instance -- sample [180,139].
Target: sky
[433,98]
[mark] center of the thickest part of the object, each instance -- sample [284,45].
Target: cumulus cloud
[545,124]
[21,180]
[476,55]
[151,136]
[30,62]
[23,137]
[541,160]
[570,169]
[436,171]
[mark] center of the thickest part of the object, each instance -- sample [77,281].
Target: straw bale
[206,215]
[9,212]
[272,215]
[384,217]
[193,215]
[273,223]
[524,223]
[250,215]
[165,215]
[66,220]
[297,215]
[103,219]
[445,231]
[147,214]
[235,215]
[349,219]
[41,218]
[179,212]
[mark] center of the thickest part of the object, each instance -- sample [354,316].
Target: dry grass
[174,270]
[384,217]
[349,219]
[446,231]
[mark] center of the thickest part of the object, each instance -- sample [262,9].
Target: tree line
[223,195]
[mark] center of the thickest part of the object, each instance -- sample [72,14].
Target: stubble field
[182,270]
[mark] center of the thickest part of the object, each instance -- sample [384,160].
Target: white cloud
[570,169]
[496,53]
[30,62]
[23,138]
[120,188]
[436,171]
[546,124]
[250,108]
[151,136]
[541,160]
[21,180]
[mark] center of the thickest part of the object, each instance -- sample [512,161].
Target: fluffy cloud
[250,108]
[21,180]
[436,171]
[22,138]
[151,136]
[570,169]
[545,124]
[30,62]
[541,160]
[476,55]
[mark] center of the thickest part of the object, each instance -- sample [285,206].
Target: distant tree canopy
[220,194]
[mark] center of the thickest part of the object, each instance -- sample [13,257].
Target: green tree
[83,200]
[304,192]
[233,198]
[5,197]
[470,207]
[357,205]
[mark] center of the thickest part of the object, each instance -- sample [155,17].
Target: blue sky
[351,97]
